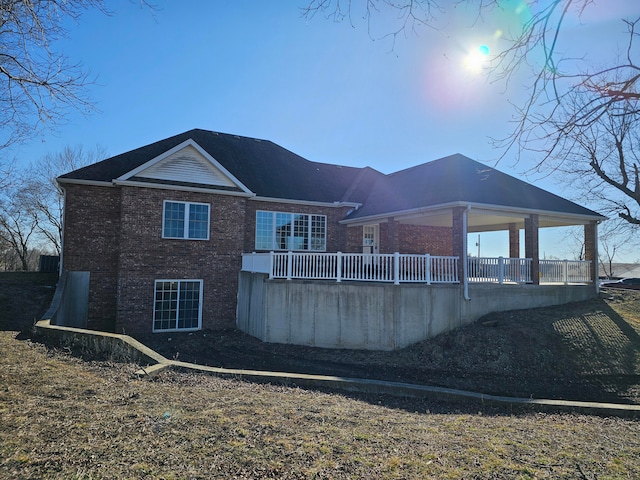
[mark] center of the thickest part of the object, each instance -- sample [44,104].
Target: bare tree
[406,15]
[31,206]
[43,197]
[577,117]
[17,225]
[37,83]
[611,243]
[574,240]
[6,168]
[600,158]
[538,38]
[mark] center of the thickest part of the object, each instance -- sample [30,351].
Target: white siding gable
[187,165]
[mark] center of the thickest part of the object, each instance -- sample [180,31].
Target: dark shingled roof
[267,169]
[457,178]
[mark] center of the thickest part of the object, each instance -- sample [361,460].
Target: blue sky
[324,90]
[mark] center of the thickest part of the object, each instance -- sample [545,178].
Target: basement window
[177,305]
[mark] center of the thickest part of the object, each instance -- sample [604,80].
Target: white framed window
[177,305]
[185,220]
[290,231]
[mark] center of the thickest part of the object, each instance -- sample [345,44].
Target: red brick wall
[458,236]
[354,240]
[514,241]
[591,248]
[416,239]
[91,243]
[115,233]
[424,239]
[145,257]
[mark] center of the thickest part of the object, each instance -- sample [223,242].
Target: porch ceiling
[490,219]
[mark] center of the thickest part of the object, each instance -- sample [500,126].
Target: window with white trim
[177,305]
[185,220]
[290,231]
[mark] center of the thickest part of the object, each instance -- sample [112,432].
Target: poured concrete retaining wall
[376,316]
[487,298]
[121,348]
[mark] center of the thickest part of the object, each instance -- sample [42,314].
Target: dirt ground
[586,351]
[583,351]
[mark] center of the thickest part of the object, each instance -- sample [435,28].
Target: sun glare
[476,59]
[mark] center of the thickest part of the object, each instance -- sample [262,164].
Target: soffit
[489,219]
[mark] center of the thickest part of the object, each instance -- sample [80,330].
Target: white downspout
[465,260]
[64,205]
[596,259]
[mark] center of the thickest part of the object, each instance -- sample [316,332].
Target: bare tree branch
[42,195]
[38,84]
[579,119]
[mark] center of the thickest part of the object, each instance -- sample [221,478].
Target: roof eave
[79,181]
[434,209]
[335,204]
[183,188]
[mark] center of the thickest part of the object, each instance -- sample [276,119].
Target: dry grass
[61,417]
[65,418]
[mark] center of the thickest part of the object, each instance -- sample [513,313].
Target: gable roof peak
[263,167]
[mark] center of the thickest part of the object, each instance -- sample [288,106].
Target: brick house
[162,229]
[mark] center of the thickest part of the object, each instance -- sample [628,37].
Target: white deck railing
[406,268]
[397,268]
[565,271]
[499,270]
[518,270]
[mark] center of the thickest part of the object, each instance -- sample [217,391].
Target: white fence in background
[408,268]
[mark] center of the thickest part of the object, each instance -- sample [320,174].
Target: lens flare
[477,59]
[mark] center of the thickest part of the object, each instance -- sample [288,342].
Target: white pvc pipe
[465,260]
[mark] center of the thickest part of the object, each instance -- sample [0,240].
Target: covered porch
[378,300]
[462,220]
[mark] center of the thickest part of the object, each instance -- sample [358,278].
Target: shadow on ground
[584,351]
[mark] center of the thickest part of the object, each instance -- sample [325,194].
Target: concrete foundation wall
[489,298]
[375,316]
